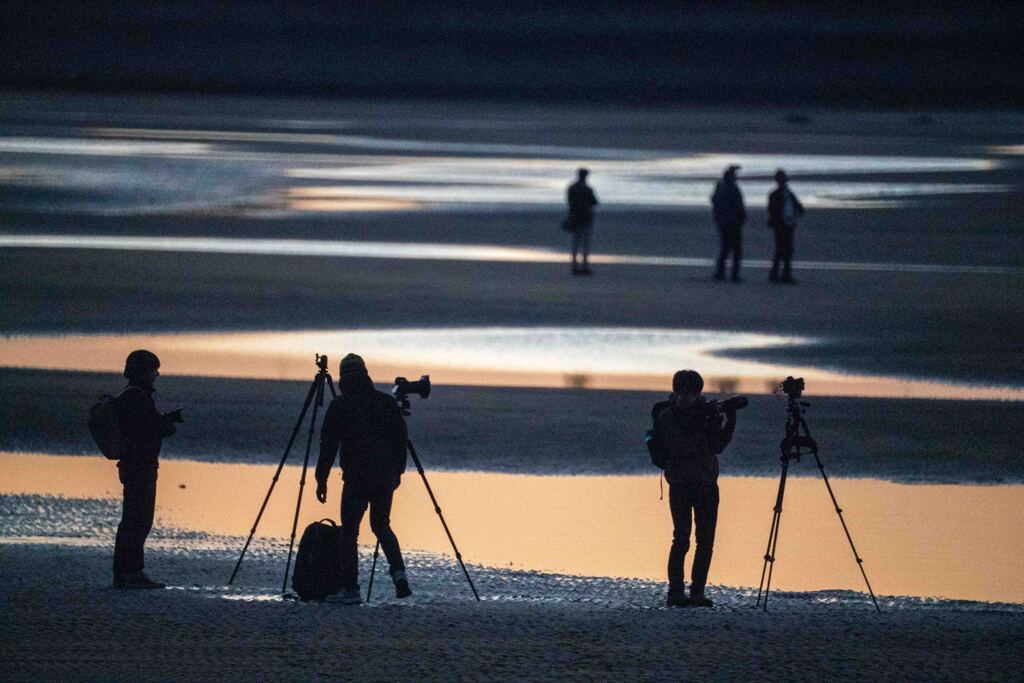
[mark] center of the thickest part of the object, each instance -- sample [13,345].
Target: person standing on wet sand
[580,221]
[144,430]
[783,211]
[365,428]
[690,435]
[729,214]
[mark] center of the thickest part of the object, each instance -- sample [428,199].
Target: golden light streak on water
[954,541]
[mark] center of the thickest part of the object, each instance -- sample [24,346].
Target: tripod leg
[302,481]
[277,474]
[437,509]
[373,571]
[839,511]
[773,538]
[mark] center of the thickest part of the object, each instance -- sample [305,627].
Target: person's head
[353,377]
[687,386]
[730,173]
[582,173]
[781,178]
[142,367]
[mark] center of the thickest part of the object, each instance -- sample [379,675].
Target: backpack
[654,447]
[318,562]
[105,427]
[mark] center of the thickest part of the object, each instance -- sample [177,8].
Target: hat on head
[352,364]
[687,382]
[140,361]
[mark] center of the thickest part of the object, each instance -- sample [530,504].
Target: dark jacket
[142,426]
[368,431]
[727,204]
[581,205]
[692,438]
[775,207]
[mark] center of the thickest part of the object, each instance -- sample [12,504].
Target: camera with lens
[403,388]
[176,415]
[793,388]
[729,405]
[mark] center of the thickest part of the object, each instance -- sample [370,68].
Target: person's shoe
[718,276]
[136,581]
[737,278]
[402,589]
[587,271]
[350,596]
[677,599]
[698,599]
[788,281]
[772,277]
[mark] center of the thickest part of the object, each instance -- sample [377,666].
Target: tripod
[403,402]
[314,397]
[799,442]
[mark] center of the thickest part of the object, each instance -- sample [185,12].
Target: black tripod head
[796,444]
[321,362]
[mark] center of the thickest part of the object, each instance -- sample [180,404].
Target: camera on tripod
[792,387]
[404,387]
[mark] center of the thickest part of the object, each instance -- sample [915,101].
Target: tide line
[443,252]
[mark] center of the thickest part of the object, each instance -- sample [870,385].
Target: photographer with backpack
[688,435]
[144,430]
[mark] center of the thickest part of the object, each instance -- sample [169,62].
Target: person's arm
[593,197]
[721,434]
[742,205]
[798,207]
[329,446]
[397,436]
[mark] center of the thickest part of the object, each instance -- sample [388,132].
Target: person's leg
[679,504]
[585,235]
[705,513]
[353,506]
[137,509]
[380,523]
[723,252]
[787,255]
[737,250]
[576,242]
[773,275]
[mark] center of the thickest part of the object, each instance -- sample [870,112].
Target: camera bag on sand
[318,562]
[105,426]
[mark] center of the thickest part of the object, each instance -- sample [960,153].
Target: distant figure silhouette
[690,434]
[729,213]
[144,429]
[366,428]
[582,201]
[783,211]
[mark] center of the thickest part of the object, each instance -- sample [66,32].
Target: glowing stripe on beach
[444,252]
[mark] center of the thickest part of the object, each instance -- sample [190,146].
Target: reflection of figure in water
[691,434]
[729,214]
[783,211]
[144,430]
[581,221]
[367,428]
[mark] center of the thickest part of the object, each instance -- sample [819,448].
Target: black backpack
[318,562]
[105,427]
[654,446]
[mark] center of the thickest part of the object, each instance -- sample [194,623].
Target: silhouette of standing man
[144,429]
[729,214]
[365,428]
[783,211]
[582,201]
[691,434]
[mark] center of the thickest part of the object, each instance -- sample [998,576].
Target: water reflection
[432,251]
[591,357]
[926,540]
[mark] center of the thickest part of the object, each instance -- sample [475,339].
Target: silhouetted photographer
[144,430]
[366,429]
[689,432]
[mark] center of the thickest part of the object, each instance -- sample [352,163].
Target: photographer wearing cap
[366,429]
[690,432]
[144,430]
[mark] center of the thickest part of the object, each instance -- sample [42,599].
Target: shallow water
[957,541]
[579,357]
